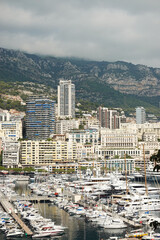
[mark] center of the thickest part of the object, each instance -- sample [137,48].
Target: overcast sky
[108,30]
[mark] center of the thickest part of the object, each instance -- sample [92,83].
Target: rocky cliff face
[133,79]
[122,76]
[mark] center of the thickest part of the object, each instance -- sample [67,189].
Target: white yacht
[14,232]
[114,223]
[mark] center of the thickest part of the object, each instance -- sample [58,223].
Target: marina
[45,209]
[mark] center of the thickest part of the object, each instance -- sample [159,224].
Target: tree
[42,170]
[28,169]
[156,159]
[81,127]
[1,158]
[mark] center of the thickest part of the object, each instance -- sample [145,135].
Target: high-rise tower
[109,118]
[66,99]
[140,115]
[40,117]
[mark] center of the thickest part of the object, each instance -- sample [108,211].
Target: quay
[9,208]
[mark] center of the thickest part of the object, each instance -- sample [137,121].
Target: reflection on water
[22,188]
[77,229]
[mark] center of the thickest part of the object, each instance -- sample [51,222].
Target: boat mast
[126,174]
[145,171]
[105,166]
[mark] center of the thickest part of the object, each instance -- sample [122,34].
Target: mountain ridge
[109,83]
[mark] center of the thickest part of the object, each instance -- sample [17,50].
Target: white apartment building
[11,154]
[88,136]
[118,139]
[63,126]
[46,152]
[10,130]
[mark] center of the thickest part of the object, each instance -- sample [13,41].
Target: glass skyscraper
[66,99]
[40,117]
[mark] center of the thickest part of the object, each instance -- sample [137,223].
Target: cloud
[99,30]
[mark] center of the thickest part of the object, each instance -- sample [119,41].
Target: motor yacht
[114,223]
[14,232]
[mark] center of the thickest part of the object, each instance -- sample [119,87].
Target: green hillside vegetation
[106,96]
[100,94]
[10,104]
[21,89]
[22,74]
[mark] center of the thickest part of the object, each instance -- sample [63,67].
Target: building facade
[4,116]
[10,130]
[66,99]
[40,117]
[43,152]
[109,118]
[120,165]
[11,154]
[88,136]
[118,139]
[63,126]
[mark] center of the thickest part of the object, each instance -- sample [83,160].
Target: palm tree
[156,159]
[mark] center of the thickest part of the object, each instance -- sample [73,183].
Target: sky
[103,30]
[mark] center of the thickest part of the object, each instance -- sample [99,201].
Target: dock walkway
[9,208]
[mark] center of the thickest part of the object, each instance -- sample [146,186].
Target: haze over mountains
[113,84]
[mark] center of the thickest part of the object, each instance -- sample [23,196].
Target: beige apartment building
[46,152]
